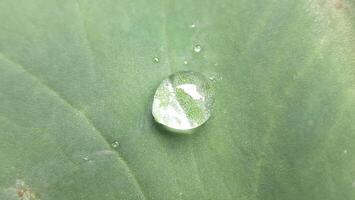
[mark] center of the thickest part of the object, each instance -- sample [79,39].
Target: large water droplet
[197,48]
[183,101]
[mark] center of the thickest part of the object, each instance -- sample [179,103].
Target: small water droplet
[193,25]
[86,158]
[185,62]
[345,151]
[183,101]
[197,48]
[155,59]
[115,144]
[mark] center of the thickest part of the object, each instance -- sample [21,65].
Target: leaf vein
[81,113]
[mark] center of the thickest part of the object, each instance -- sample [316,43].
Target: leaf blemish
[24,192]
[339,5]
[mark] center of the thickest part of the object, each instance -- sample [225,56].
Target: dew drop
[183,101]
[185,62]
[155,59]
[115,144]
[197,48]
[193,25]
[86,158]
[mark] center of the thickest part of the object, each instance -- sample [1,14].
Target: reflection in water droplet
[185,62]
[193,25]
[155,59]
[115,144]
[197,48]
[215,78]
[183,101]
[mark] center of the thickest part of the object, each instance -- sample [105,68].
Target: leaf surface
[76,76]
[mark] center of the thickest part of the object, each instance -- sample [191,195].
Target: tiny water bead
[197,48]
[155,59]
[183,101]
[185,62]
[115,144]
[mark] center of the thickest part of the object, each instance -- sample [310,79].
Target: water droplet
[183,101]
[115,144]
[185,62]
[345,151]
[193,25]
[197,48]
[86,158]
[155,59]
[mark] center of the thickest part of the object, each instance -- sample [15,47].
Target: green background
[76,76]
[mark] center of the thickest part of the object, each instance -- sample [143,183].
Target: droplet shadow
[173,133]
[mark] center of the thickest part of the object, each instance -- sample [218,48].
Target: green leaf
[76,76]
